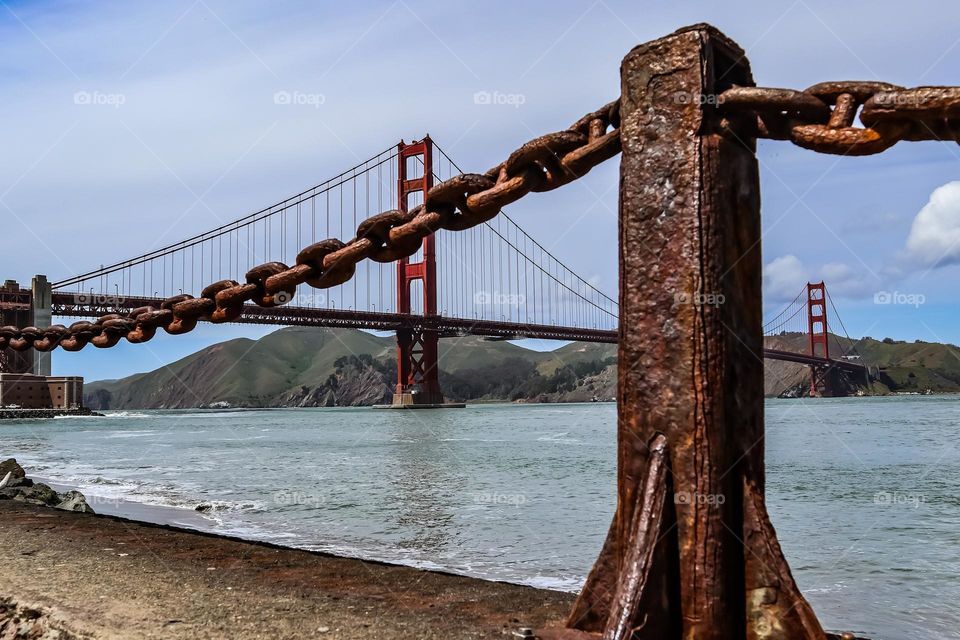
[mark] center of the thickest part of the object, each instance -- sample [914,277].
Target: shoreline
[174,588]
[191,520]
[111,577]
[134,511]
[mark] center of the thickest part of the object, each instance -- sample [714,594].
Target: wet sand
[108,577]
[181,517]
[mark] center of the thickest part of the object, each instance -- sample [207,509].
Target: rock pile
[22,622]
[15,485]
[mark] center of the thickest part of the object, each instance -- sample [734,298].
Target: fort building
[28,391]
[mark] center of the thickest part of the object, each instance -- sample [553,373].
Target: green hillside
[301,366]
[576,352]
[903,366]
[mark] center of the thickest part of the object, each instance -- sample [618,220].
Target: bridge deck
[69,305]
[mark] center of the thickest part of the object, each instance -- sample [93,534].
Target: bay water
[864,492]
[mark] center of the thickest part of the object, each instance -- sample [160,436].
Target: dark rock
[39,493]
[11,465]
[203,507]
[74,501]
[19,482]
[20,487]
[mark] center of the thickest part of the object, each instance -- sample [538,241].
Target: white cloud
[786,276]
[847,281]
[783,278]
[934,238]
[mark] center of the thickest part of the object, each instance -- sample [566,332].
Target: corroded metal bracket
[691,553]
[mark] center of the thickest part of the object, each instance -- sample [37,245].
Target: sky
[132,125]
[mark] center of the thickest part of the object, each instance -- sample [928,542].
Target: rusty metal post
[691,553]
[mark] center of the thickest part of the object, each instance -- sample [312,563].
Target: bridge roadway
[79,306]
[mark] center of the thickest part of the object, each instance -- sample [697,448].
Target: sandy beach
[107,577]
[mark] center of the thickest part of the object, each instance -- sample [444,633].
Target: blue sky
[188,135]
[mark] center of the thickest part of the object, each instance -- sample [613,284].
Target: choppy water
[865,492]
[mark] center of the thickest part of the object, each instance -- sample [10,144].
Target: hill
[300,366]
[904,367]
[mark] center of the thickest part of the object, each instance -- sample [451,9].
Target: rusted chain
[459,203]
[821,117]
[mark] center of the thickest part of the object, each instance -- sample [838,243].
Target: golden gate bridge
[491,280]
[689,421]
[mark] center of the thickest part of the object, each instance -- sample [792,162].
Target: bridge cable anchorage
[821,117]
[457,204]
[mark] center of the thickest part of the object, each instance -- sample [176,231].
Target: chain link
[459,203]
[821,117]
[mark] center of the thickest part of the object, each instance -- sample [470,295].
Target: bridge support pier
[691,553]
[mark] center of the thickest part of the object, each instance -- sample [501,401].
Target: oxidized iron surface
[889,114]
[691,553]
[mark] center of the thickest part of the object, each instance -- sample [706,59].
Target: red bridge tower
[819,337]
[418,384]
